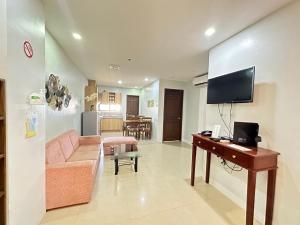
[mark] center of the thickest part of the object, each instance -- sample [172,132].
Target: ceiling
[164,38]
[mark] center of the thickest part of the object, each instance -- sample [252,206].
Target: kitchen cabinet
[107,97]
[111,124]
[118,99]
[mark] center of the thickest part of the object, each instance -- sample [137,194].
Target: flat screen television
[236,87]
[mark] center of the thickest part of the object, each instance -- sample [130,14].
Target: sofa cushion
[83,148]
[84,155]
[119,140]
[54,153]
[74,139]
[66,145]
[90,140]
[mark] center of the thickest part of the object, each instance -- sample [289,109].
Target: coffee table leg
[132,151]
[136,164]
[116,166]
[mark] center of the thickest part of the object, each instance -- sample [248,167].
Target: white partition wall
[272,45]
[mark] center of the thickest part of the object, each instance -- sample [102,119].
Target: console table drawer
[238,158]
[200,143]
[209,146]
[214,148]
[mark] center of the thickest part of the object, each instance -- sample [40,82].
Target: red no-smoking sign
[28,49]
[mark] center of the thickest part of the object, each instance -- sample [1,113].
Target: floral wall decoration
[57,95]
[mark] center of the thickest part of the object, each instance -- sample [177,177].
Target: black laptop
[245,133]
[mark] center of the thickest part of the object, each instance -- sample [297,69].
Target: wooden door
[173,115]
[132,105]
[3,156]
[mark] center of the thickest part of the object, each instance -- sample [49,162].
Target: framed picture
[150,103]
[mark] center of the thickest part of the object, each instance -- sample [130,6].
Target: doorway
[133,104]
[173,115]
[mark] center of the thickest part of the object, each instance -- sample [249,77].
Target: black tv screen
[236,87]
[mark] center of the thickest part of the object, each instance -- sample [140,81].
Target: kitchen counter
[112,116]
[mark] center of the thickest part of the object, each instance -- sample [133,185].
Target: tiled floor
[159,194]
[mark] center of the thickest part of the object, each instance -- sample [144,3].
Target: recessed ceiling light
[120,82]
[146,79]
[210,31]
[77,36]
[114,67]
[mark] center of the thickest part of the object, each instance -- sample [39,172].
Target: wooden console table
[256,160]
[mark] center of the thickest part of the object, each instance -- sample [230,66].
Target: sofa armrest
[90,140]
[69,183]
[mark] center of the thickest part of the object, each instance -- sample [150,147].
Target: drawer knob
[233,156]
[214,148]
[199,142]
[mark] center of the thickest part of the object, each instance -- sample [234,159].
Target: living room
[145,49]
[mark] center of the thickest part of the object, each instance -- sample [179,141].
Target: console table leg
[270,196]
[250,197]
[208,160]
[194,153]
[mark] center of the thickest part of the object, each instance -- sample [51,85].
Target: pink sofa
[71,166]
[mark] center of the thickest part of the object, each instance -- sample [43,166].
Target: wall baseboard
[259,216]
[187,142]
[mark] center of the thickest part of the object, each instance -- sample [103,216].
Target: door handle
[179,118]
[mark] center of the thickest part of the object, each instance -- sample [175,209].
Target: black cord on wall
[221,116]
[230,119]
[228,128]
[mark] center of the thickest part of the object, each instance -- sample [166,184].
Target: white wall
[272,45]
[151,92]
[26,157]
[192,107]
[58,63]
[124,92]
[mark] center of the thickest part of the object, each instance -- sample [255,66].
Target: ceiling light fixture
[77,36]
[210,31]
[120,82]
[146,79]
[114,67]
